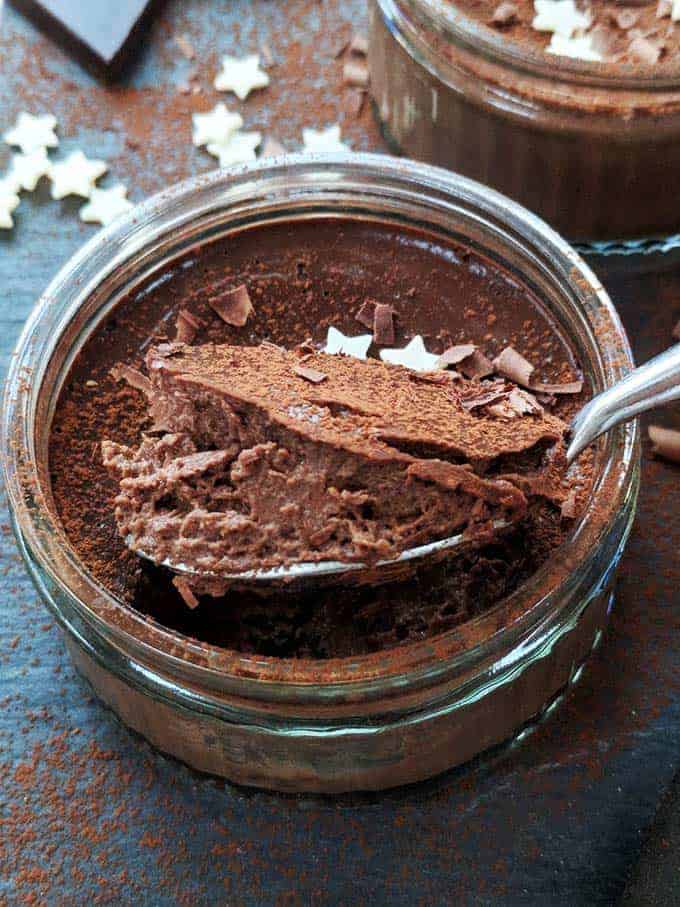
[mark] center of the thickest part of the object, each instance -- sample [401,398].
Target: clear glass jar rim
[444,17]
[312,175]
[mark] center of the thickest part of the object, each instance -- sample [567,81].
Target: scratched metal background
[87,811]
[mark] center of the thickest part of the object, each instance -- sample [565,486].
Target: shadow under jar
[593,148]
[369,721]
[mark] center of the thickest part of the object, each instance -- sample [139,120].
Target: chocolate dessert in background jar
[572,109]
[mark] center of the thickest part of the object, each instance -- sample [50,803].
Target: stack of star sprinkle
[74,175]
[220,130]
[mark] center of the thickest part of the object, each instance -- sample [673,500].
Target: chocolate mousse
[636,35]
[265,458]
[205,421]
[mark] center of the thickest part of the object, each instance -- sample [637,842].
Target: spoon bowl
[653,384]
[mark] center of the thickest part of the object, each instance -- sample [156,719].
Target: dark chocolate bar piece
[103,36]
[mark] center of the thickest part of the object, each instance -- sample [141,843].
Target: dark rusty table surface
[87,810]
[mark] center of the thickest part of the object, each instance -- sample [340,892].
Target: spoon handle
[655,383]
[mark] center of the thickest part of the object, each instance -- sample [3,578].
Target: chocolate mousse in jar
[571,109]
[204,393]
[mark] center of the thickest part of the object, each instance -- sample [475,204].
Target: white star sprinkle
[336,342]
[241,76]
[323,140]
[577,48]
[9,201]
[215,127]
[559,16]
[27,170]
[31,133]
[76,175]
[105,205]
[413,356]
[238,150]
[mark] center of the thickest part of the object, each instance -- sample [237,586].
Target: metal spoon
[653,384]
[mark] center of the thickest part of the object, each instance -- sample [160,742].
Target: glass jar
[592,151]
[367,722]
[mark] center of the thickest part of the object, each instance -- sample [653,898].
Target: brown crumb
[569,509]
[310,374]
[234,306]
[186,592]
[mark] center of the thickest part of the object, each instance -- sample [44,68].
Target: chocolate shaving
[185,591]
[626,18]
[666,442]
[310,374]
[123,372]
[455,354]
[233,306]
[356,74]
[366,314]
[484,398]
[476,366]
[505,14]
[569,387]
[383,324]
[645,51]
[517,403]
[358,45]
[514,366]
[676,331]
[433,377]
[188,326]
[523,402]
[568,508]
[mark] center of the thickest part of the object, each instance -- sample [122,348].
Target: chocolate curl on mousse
[234,307]
[263,465]
[518,369]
